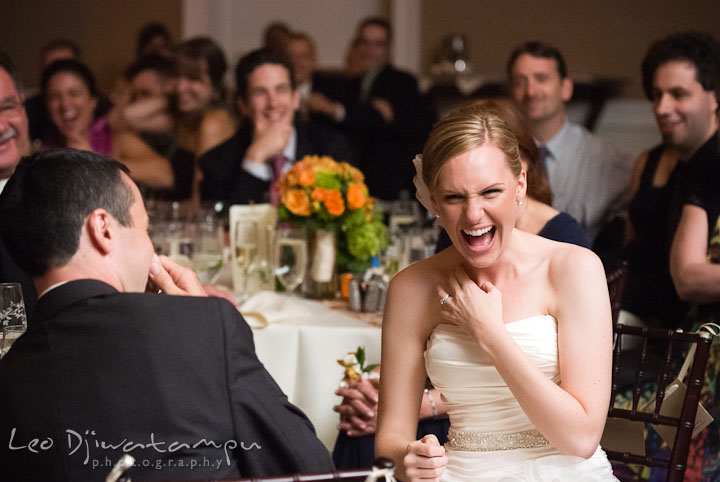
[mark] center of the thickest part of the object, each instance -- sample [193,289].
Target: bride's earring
[520,201]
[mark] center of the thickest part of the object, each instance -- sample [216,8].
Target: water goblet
[290,257]
[12,315]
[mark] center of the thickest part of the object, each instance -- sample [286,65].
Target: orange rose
[297,202]
[318,194]
[307,177]
[290,178]
[356,196]
[334,202]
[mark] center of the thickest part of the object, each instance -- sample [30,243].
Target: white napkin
[273,308]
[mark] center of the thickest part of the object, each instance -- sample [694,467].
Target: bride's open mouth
[479,238]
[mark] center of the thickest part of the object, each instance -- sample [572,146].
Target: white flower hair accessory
[422,192]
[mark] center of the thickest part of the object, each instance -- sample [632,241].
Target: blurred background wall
[607,37]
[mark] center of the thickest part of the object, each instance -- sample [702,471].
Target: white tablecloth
[300,348]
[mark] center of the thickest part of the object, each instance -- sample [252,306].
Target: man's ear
[567,89]
[100,230]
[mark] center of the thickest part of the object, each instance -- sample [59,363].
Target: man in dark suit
[14,143]
[323,95]
[242,169]
[389,120]
[105,368]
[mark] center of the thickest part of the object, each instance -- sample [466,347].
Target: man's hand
[317,102]
[384,108]
[173,279]
[269,138]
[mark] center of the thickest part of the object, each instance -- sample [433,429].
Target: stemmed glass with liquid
[207,258]
[245,246]
[12,315]
[290,257]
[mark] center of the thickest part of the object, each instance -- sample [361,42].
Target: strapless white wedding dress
[491,438]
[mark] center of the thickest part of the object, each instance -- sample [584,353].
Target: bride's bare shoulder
[571,262]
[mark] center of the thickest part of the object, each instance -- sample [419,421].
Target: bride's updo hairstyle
[464,129]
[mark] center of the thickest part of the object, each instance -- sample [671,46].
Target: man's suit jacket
[224,178]
[386,149]
[174,379]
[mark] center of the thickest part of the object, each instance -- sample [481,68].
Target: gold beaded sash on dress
[491,441]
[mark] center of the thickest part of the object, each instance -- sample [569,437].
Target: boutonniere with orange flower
[324,194]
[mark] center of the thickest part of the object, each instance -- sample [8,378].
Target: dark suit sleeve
[410,113]
[262,413]
[219,168]
[315,138]
[248,188]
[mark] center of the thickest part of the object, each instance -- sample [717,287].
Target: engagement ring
[444,299]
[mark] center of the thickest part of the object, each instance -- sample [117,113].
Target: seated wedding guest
[588,176]
[14,144]
[71,95]
[358,410]
[680,74]
[695,269]
[41,127]
[144,110]
[241,170]
[386,117]
[153,38]
[203,122]
[106,369]
[322,94]
[276,36]
[496,321]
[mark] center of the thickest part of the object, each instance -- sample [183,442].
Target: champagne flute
[245,246]
[12,315]
[290,257]
[207,255]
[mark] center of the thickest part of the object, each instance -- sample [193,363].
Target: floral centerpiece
[326,195]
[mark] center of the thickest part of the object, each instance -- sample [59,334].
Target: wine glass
[207,255]
[290,257]
[12,315]
[245,247]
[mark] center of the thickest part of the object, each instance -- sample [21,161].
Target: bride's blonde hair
[464,129]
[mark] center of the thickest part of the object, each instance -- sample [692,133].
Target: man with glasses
[14,144]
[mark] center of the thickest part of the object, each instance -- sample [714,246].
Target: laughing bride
[513,329]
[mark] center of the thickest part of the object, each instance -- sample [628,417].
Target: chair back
[383,470]
[672,346]
[616,287]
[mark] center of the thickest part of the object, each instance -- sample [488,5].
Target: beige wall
[239,25]
[105,30]
[602,37]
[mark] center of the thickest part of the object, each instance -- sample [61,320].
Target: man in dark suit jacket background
[323,94]
[389,121]
[105,368]
[242,169]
